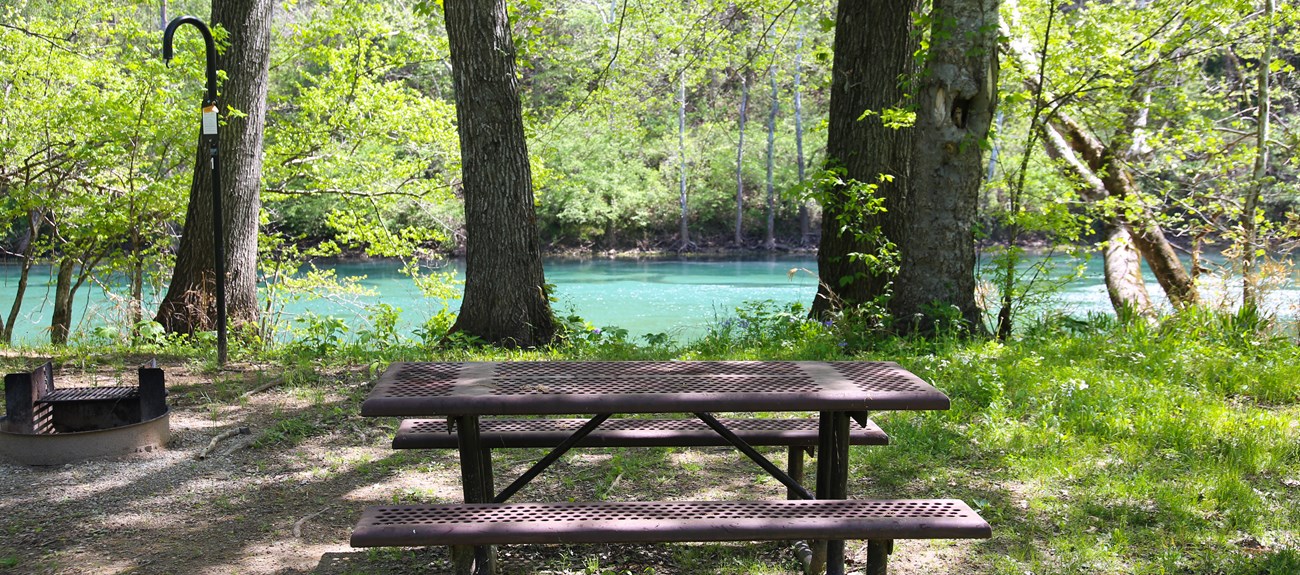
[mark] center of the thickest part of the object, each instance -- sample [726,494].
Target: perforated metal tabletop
[552,388]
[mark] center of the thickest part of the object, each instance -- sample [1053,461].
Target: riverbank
[642,293]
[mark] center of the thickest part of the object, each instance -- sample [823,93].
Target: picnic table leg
[833,474]
[477,485]
[794,468]
[803,550]
[878,556]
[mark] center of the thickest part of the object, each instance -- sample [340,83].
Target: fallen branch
[297,526]
[264,387]
[614,484]
[212,445]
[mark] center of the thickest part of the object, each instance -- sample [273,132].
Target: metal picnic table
[463,392]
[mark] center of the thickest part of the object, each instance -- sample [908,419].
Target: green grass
[1109,452]
[1090,447]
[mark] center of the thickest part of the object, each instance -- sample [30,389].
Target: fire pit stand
[48,426]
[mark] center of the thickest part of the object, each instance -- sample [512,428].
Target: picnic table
[839,392]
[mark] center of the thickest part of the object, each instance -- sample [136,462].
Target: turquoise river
[680,297]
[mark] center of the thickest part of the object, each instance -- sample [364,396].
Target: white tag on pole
[209,120]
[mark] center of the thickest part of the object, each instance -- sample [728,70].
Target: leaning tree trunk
[1122,264]
[874,47]
[505,300]
[1122,268]
[28,250]
[1147,234]
[190,303]
[956,101]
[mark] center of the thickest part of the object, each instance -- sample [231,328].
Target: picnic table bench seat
[627,432]
[666,521]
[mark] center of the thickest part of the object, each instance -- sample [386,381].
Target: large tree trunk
[190,303]
[874,47]
[956,101]
[505,300]
[740,163]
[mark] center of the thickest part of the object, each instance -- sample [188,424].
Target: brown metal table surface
[465,391]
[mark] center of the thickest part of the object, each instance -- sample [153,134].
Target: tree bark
[1122,264]
[956,102]
[190,303]
[740,162]
[1122,268]
[1250,290]
[28,251]
[135,311]
[135,271]
[769,242]
[1146,232]
[805,219]
[685,230]
[873,55]
[66,286]
[505,301]
[61,320]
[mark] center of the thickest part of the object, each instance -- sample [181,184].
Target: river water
[679,297]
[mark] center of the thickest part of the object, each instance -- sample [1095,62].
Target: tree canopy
[627,105]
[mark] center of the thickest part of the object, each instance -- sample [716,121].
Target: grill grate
[74,394]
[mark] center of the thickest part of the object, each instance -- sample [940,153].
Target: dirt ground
[283,498]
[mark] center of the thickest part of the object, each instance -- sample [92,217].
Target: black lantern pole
[209,139]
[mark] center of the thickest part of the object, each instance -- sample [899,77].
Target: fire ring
[48,426]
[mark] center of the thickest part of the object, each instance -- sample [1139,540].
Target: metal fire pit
[48,426]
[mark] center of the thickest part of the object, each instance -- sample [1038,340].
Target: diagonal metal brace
[753,454]
[860,417]
[551,457]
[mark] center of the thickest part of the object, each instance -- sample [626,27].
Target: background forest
[651,126]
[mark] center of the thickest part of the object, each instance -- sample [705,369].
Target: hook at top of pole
[211,97]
